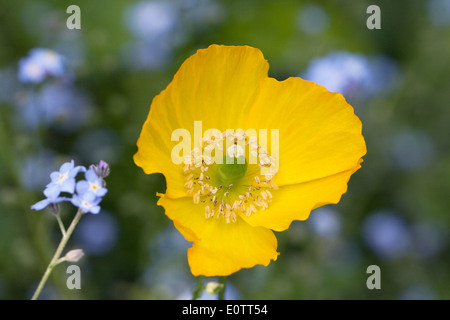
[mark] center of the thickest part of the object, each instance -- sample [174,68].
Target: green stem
[198,290]
[221,294]
[61,224]
[56,257]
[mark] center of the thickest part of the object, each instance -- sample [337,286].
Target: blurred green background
[394,215]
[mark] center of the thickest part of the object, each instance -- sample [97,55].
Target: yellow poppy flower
[229,211]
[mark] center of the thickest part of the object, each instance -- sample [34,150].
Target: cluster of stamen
[228,200]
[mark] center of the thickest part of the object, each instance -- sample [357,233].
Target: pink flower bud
[74,255]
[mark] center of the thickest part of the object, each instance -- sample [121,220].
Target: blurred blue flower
[29,113]
[325,222]
[147,55]
[156,25]
[43,20]
[340,72]
[65,106]
[40,64]
[439,12]
[313,19]
[386,234]
[167,279]
[97,235]
[87,202]
[63,180]
[418,292]
[31,71]
[352,74]
[72,47]
[9,84]
[52,62]
[201,13]
[385,75]
[36,168]
[168,244]
[99,143]
[167,273]
[150,20]
[429,239]
[159,27]
[57,104]
[92,184]
[411,150]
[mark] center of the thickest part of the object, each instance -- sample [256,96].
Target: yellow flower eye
[63,177]
[232,169]
[94,186]
[232,187]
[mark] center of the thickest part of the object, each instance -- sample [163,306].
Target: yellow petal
[225,248]
[187,233]
[219,248]
[188,218]
[295,202]
[151,152]
[217,86]
[319,134]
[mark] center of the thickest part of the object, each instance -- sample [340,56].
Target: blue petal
[65,167]
[95,209]
[82,187]
[73,172]
[96,201]
[58,200]
[91,175]
[52,191]
[101,192]
[55,176]
[75,200]
[68,186]
[40,204]
[89,197]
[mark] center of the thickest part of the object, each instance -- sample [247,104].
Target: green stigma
[232,169]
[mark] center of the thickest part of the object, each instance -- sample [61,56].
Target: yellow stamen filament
[197,197]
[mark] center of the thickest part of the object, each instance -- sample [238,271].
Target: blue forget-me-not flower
[87,202]
[48,201]
[93,183]
[86,194]
[63,180]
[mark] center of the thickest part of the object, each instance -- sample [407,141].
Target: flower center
[94,186]
[86,204]
[63,177]
[233,187]
[232,169]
